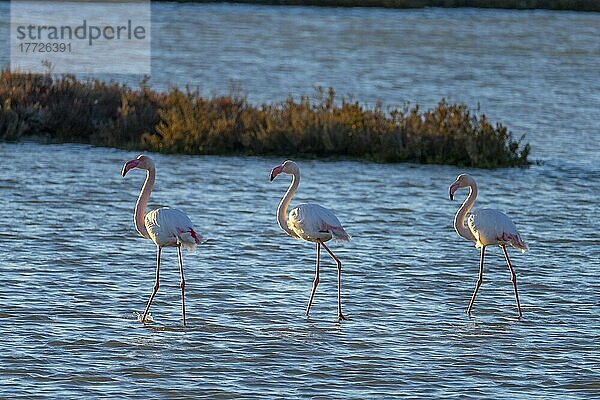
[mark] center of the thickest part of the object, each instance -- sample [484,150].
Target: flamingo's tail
[189,239]
[518,243]
[191,247]
[340,234]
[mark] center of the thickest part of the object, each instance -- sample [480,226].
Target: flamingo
[311,222]
[485,227]
[164,226]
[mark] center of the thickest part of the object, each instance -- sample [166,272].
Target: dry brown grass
[108,114]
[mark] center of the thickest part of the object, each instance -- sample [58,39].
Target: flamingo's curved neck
[142,201]
[459,219]
[285,202]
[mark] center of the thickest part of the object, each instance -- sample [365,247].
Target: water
[534,71]
[75,274]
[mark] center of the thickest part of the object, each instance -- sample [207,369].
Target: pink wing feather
[169,227]
[312,221]
[491,226]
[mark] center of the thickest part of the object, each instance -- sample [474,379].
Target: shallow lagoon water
[75,274]
[534,71]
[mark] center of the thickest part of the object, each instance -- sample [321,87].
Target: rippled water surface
[75,274]
[534,71]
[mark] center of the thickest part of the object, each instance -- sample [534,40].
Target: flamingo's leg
[181,283]
[513,278]
[339,267]
[316,281]
[479,280]
[155,289]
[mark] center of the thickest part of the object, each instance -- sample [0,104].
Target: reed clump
[66,109]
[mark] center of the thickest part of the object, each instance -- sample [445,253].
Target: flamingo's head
[142,162]
[462,181]
[288,167]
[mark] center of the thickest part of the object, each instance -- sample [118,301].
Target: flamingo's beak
[275,171]
[453,188]
[129,165]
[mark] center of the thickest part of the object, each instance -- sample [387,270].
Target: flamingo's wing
[313,221]
[169,227]
[491,226]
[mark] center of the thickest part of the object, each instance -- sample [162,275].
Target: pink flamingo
[164,226]
[485,227]
[312,223]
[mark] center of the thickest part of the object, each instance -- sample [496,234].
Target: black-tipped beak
[453,188]
[128,166]
[275,171]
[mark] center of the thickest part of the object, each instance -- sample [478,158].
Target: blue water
[75,274]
